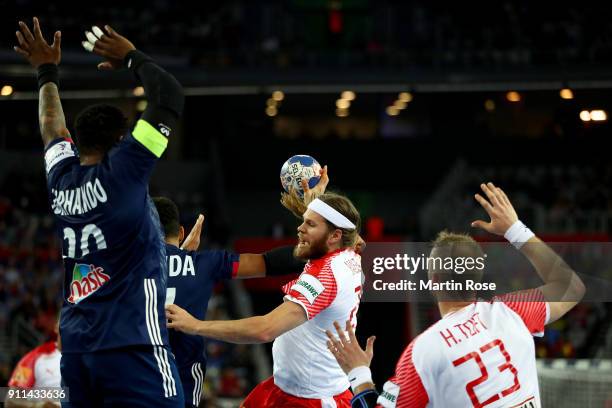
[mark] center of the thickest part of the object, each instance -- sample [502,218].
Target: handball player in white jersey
[329,289]
[480,353]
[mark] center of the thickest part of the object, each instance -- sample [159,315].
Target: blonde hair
[445,237]
[345,207]
[457,245]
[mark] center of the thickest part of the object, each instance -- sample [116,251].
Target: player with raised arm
[114,338]
[192,276]
[328,288]
[479,354]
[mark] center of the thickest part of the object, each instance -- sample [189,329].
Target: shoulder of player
[47,348]
[514,309]
[340,260]
[33,355]
[174,250]
[529,295]
[57,151]
[424,348]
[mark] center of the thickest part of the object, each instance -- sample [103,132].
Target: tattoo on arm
[50,114]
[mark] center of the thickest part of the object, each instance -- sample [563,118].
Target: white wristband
[359,376]
[518,234]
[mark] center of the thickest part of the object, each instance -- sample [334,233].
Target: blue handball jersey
[192,277]
[114,256]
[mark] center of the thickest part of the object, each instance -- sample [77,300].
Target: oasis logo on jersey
[78,200]
[86,279]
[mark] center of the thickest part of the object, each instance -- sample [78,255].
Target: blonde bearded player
[329,289]
[479,354]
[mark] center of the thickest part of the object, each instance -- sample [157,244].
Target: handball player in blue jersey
[115,342]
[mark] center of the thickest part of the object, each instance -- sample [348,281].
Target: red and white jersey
[329,289]
[480,356]
[40,368]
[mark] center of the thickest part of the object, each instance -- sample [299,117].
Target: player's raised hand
[347,351]
[108,44]
[192,242]
[311,193]
[180,319]
[33,46]
[296,204]
[499,208]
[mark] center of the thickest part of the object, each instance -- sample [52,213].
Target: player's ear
[335,237]
[181,233]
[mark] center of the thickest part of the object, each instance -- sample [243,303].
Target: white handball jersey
[47,370]
[480,356]
[39,368]
[329,289]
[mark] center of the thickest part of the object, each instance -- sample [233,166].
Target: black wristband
[134,59]
[48,73]
[280,261]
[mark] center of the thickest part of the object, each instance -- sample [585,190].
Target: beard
[314,250]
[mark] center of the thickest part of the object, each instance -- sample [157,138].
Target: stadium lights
[348,95]
[399,104]
[273,103]
[271,111]
[513,96]
[343,104]
[138,91]
[596,115]
[342,113]
[405,97]
[278,96]
[599,115]
[6,90]
[566,93]
[489,105]
[141,105]
[585,116]
[392,111]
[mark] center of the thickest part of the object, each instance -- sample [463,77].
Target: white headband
[330,214]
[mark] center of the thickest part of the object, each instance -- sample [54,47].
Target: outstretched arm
[252,330]
[562,288]
[50,114]
[165,98]
[278,261]
[45,58]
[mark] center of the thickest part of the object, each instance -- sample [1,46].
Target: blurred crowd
[576,199]
[577,334]
[30,279]
[332,33]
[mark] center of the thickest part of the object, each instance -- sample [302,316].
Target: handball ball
[297,168]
